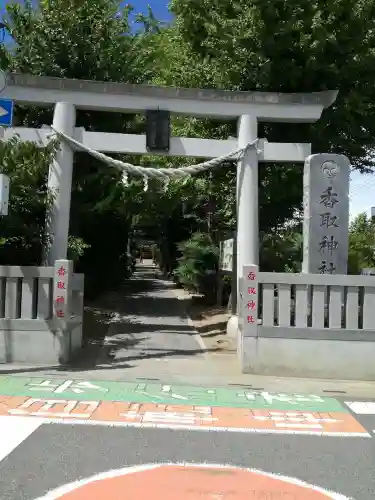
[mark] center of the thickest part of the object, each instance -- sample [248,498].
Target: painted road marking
[48,408]
[188,417]
[169,390]
[295,419]
[144,392]
[59,388]
[362,407]
[13,431]
[189,482]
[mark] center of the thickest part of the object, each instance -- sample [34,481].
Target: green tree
[198,265]
[22,230]
[282,250]
[79,39]
[282,46]
[361,244]
[294,46]
[92,41]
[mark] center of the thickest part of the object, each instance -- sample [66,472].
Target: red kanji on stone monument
[251,276]
[250,319]
[61,285]
[251,305]
[252,291]
[60,313]
[60,300]
[61,271]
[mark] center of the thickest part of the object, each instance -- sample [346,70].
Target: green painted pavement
[146,392]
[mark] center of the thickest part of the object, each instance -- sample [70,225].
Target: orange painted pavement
[177,415]
[171,482]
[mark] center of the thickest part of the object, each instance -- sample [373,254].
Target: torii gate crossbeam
[248,107]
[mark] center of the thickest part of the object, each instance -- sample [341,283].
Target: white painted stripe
[71,421]
[300,426]
[68,488]
[14,430]
[362,407]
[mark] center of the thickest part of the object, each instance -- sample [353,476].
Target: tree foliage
[361,244]
[85,40]
[26,165]
[198,264]
[292,46]
[282,46]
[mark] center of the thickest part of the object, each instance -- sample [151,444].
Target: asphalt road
[56,454]
[56,430]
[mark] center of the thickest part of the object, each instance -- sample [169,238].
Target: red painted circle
[189,482]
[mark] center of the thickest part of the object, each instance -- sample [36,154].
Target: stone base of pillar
[232,327]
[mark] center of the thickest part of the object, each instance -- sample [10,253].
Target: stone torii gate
[248,107]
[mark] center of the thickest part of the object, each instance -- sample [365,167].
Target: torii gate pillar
[247,195]
[60,186]
[247,240]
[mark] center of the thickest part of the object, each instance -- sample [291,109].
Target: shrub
[198,265]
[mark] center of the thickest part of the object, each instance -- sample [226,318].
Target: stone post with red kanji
[250,301]
[61,292]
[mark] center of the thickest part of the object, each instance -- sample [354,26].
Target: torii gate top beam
[122,97]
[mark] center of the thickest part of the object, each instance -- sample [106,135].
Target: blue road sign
[6,112]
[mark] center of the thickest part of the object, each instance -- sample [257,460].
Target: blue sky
[362,187]
[159,7]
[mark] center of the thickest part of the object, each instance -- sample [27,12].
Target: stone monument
[326,214]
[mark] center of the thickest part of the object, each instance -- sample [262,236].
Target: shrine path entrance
[143,330]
